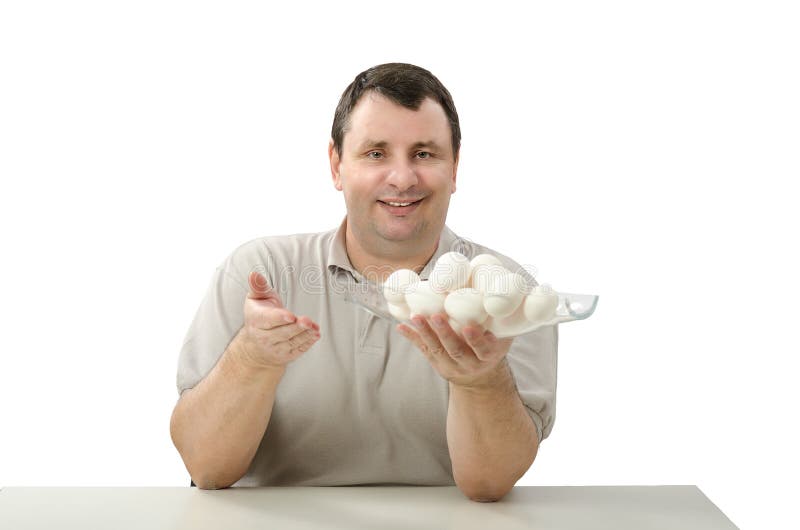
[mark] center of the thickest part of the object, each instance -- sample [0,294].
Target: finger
[268,318]
[429,338]
[260,289]
[305,339]
[301,343]
[308,323]
[285,332]
[478,342]
[484,343]
[414,337]
[453,344]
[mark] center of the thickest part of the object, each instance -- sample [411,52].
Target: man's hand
[471,361]
[272,336]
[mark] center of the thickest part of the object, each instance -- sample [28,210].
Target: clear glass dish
[571,306]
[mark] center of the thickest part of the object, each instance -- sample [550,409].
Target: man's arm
[218,425]
[491,437]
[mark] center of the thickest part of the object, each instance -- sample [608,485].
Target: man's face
[391,154]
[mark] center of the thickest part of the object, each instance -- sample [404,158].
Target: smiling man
[285,382]
[397,169]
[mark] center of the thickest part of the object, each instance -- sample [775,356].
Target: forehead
[379,119]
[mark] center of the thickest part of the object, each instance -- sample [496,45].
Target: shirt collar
[337,251]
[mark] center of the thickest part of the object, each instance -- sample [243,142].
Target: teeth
[398,203]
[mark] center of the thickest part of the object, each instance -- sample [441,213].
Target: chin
[399,234]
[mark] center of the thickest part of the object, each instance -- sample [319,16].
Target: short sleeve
[216,322]
[533,359]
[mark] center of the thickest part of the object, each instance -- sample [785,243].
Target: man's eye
[374,154]
[423,154]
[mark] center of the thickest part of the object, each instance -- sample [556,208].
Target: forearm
[491,438]
[218,425]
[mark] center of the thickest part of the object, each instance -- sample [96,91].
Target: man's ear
[333,156]
[455,171]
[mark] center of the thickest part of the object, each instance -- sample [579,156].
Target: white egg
[483,275]
[450,272]
[482,259]
[400,311]
[541,304]
[465,305]
[504,294]
[485,259]
[422,300]
[458,327]
[397,284]
[510,326]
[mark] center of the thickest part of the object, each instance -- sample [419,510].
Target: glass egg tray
[571,306]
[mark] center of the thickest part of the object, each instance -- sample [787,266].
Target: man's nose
[402,175]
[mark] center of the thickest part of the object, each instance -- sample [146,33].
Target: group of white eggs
[479,291]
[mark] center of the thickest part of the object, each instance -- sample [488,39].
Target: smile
[400,208]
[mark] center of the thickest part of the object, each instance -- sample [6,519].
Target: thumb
[261,290]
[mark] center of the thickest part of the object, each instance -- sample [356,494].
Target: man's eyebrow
[373,144]
[428,144]
[381,144]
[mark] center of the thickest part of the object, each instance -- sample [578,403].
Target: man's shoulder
[276,245]
[269,253]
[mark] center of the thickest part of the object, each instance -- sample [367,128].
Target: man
[285,382]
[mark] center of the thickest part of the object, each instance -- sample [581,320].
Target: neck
[377,266]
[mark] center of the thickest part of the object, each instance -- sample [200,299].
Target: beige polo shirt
[363,405]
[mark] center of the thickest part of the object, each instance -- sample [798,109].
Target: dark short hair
[406,85]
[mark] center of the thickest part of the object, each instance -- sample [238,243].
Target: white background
[643,151]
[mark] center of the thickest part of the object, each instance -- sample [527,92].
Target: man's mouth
[395,203]
[400,207]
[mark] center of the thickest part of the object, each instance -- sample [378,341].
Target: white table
[381,507]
